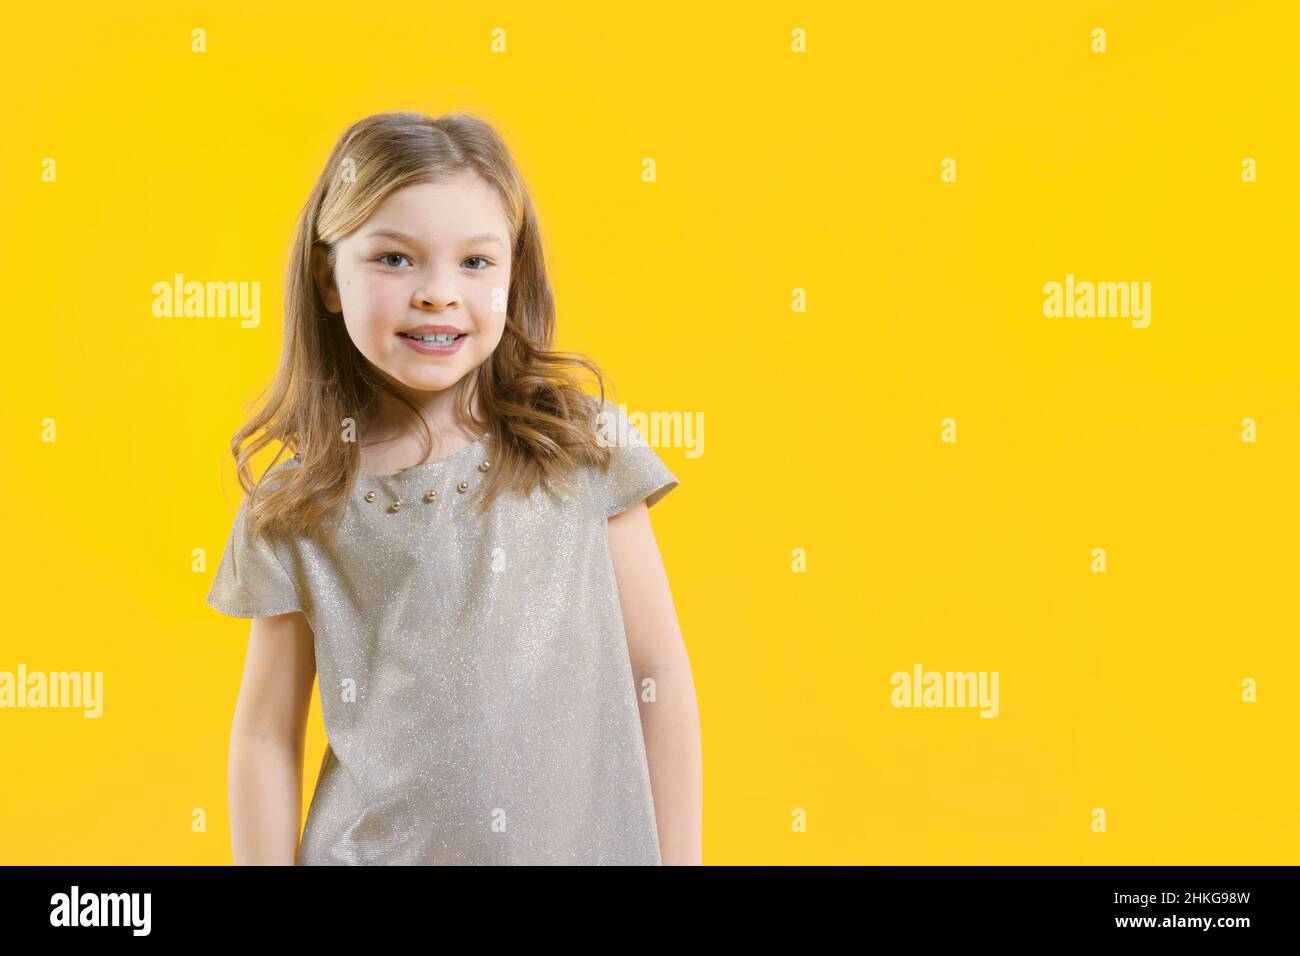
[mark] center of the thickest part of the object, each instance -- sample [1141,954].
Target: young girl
[459,546]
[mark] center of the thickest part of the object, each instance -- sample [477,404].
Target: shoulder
[613,426]
[281,470]
[270,479]
[633,471]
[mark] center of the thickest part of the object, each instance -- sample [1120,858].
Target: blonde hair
[538,418]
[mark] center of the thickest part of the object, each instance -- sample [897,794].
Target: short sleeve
[250,580]
[636,473]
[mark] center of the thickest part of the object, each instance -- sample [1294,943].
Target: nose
[437,290]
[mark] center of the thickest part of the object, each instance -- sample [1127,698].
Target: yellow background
[776,171]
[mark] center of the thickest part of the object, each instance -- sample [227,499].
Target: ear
[329,291]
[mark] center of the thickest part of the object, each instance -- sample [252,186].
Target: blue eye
[390,255]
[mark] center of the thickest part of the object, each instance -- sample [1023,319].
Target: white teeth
[438,339]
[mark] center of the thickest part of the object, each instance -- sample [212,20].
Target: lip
[426,348]
[430,329]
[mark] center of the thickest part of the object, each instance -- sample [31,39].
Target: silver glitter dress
[475,682]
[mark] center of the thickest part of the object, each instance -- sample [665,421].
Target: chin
[443,379]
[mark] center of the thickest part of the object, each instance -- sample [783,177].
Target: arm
[671,723]
[267,738]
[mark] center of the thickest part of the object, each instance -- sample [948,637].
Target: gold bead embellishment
[431,495]
[485,466]
[462,486]
[394,506]
[370,496]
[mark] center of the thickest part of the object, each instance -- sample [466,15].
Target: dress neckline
[430,466]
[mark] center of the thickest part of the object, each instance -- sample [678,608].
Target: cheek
[374,305]
[486,306]
[362,315]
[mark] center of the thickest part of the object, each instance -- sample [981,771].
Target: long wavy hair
[533,407]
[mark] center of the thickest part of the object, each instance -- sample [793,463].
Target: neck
[391,420]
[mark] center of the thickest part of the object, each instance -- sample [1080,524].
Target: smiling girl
[459,546]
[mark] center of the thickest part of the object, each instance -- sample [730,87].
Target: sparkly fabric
[474,674]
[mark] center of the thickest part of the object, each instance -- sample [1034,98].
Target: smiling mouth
[433,338]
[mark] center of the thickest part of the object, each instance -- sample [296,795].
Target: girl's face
[431,258]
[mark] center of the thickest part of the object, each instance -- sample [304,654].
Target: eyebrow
[490,237]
